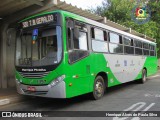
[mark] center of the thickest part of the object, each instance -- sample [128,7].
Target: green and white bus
[61,55]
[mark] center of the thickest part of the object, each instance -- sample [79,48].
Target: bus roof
[92,22]
[102,25]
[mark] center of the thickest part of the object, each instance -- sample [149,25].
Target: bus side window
[80,43]
[99,40]
[120,40]
[145,49]
[128,45]
[155,52]
[114,38]
[138,47]
[115,43]
[132,44]
[105,35]
[152,50]
[92,33]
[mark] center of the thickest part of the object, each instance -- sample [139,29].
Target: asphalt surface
[127,97]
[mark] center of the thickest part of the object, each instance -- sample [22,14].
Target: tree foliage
[120,11]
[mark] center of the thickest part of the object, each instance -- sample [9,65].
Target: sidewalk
[10,95]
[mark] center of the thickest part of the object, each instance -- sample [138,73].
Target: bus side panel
[81,74]
[78,77]
[125,67]
[100,64]
[151,65]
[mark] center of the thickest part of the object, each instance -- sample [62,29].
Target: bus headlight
[57,80]
[17,81]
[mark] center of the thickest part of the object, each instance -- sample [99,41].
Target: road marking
[148,95]
[154,76]
[135,118]
[141,105]
[133,108]
[4,101]
[151,105]
[152,95]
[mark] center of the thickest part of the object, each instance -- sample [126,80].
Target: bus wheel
[99,88]
[144,76]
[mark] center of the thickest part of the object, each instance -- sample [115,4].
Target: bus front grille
[34,75]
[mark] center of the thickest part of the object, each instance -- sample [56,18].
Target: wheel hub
[99,88]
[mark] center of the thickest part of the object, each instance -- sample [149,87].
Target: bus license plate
[30,88]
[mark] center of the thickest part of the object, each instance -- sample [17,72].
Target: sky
[84,4]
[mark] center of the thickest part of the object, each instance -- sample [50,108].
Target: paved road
[130,96]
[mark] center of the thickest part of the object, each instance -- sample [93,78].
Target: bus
[62,55]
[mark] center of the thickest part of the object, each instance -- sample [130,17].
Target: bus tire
[98,88]
[144,76]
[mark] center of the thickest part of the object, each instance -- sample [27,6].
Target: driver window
[81,43]
[78,47]
[51,46]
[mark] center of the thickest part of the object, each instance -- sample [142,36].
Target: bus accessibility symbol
[125,62]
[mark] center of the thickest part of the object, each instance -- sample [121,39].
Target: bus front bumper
[57,91]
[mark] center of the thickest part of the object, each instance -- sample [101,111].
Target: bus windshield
[39,47]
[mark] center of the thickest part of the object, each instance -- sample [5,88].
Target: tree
[120,11]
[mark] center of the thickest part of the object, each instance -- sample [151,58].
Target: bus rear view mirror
[11,36]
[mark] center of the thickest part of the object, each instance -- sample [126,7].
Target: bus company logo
[117,64]
[141,14]
[132,63]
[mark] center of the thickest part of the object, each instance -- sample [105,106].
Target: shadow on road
[59,104]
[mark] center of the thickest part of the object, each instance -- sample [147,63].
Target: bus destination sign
[39,20]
